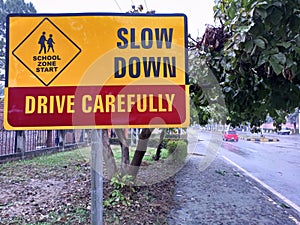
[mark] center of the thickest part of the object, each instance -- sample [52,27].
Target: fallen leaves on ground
[60,194]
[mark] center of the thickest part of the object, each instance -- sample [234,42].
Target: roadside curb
[260,139]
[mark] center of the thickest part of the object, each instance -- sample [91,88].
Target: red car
[230,135]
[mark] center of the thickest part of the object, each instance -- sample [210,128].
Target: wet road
[276,164]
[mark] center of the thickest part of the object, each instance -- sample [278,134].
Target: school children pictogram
[42,43]
[47,51]
[50,43]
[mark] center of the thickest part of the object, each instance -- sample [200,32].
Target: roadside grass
[150,153]
[74,160]
[53,160]
[63,159]
[55,189]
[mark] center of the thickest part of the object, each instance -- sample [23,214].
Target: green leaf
[290,63]
[271,51]
[232,12]
[260,43]
[278,4]
[280,57]
[284,44]
[297,49]
[244,3]
[262,12]
[244,28]
[277,67]
[262,60]
[245,56]
[275,17]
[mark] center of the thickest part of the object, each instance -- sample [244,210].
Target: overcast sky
[199,13]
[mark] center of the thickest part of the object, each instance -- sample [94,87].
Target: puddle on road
[234,149]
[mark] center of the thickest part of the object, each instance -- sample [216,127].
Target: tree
[127,167]
[124,149]
[108,155]
[254,53]
[140,151]
[207,101]
[7,7]
[132,167]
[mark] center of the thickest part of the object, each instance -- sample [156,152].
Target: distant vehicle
[241,128]
[284,131]
[230,135]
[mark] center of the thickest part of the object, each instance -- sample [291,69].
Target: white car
[284,131]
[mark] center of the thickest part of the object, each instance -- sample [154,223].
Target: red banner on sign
[101,106]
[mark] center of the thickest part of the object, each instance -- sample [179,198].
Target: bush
[176,136]
[177,149]
[115,141]
[171,146]
[153,143]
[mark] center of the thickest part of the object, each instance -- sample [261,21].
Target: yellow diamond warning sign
[46,51]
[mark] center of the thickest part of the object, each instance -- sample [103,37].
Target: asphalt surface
[221,194]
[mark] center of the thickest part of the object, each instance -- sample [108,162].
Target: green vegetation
[58,160]
[177,149]
[55,188]
[254,54]
[62,159]
[120,184]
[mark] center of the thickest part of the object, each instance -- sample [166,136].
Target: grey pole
[97,178]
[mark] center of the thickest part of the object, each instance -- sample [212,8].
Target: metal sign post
[97,178]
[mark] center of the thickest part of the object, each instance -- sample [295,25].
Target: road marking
[289,202]
[251,150]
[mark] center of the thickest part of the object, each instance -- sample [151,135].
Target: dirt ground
[38,193]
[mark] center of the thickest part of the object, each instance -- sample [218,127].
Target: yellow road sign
[120,67]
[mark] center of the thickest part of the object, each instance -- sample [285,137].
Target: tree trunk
[49,139]
[124,149]
[160,145]
[108,155]
[61,138]
[20,141]
[140,151]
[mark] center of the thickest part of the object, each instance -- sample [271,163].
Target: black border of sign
[45,15]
